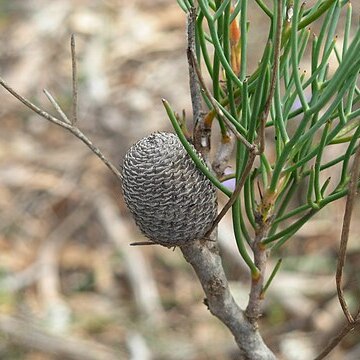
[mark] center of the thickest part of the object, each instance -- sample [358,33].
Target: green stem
[240,240]
[271,277]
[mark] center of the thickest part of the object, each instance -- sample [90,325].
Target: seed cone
[171,200]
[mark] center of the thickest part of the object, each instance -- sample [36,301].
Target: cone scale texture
[172,201]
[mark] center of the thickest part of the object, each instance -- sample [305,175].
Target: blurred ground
[70,286]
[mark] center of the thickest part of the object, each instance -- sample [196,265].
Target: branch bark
[253,310]
[264,218]
[204,257]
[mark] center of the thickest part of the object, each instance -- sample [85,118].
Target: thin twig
[57,107]
[142,243]
[337,339]
[277,48]
[74,81]
[73,129]
[353,184]
[194,83]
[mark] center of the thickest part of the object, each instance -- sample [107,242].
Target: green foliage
[310,111]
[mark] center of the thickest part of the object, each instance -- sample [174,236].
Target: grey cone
[171,200]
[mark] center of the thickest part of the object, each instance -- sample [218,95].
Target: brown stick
[352,321]
[74,81]
[73,129]
[57,107]
[353,184]
[337,339]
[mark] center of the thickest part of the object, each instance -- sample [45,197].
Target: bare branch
[194,83]
[73,129]
[33,107]
[353,183]
[337,339]
[74,81]
[57,107]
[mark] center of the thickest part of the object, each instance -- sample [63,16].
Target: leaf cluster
[310,111]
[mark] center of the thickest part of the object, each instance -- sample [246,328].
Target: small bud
[235,44]
[172,201]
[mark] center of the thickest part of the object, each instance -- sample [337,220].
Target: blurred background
[71,287]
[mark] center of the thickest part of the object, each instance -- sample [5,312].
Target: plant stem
[205,259]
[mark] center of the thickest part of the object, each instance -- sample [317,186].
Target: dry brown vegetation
[70,285]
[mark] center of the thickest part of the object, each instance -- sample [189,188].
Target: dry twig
[352,321]
[74,81]
[64,123]
[56,106]
[337,339]
[353,184]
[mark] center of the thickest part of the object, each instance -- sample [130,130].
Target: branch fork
[64,121]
